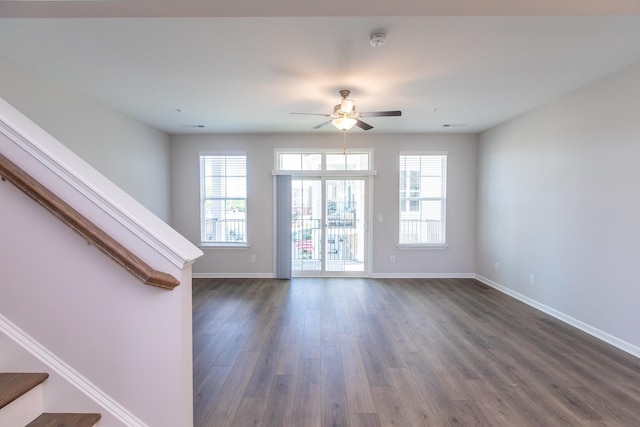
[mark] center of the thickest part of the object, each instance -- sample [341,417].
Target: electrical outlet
[496,266]
[532,279]
[253,258]
[380,218]
[392,258]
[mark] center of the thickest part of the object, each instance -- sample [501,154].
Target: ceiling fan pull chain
[344,142]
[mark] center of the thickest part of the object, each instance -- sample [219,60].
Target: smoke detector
[377,39]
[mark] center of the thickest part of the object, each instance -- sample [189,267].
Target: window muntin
[422,199]
[223,199]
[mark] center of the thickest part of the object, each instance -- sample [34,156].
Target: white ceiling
[238,68]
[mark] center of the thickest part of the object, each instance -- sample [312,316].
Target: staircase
[21,404]
[115,224]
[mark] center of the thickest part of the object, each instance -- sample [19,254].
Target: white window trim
[320,173]
[230,245]
[422,246]
[225,245]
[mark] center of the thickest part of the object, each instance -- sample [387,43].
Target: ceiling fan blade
[381,113]
[314,114]
[363,125]
[323,124]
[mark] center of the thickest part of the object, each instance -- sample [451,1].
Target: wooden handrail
[84,227]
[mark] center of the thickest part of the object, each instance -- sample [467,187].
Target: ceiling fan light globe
[344,123]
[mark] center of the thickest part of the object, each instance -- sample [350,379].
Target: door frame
[320,171]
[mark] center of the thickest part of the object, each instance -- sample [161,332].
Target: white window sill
[409,246]
[206,246]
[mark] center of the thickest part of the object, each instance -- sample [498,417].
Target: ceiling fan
[344,115]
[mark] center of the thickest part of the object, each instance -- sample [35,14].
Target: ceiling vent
[454,125]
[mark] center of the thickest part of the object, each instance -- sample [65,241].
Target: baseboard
[604,336]
[422,276]
[372,275]
[232,275]
[69,374]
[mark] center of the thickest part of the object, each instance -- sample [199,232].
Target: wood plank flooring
[401,352]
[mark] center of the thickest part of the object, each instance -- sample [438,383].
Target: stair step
[64,420]
[14,385]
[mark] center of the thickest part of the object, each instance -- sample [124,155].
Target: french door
[329,226]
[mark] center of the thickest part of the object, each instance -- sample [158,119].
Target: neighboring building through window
[223,199]
[423,192]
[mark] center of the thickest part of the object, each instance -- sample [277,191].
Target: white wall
[58,394]
[457,259]
[131,154]
[558,198]
[130,340]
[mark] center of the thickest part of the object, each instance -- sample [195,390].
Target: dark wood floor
[409,352]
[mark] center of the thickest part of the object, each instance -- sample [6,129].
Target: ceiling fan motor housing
[346,106]
[339,110]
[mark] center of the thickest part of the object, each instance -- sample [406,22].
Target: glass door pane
[328,226]
[345,232]
[306,225]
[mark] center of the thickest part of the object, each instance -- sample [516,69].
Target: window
[351,161]
[300,161]
[423,194]
[223,199]
[322,161]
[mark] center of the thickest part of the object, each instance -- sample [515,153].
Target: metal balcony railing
[224,230]
[415,231]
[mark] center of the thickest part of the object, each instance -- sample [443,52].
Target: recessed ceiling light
[454,125]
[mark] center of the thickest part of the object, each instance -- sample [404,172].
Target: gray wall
[131,154]
[558,197]
[456,260]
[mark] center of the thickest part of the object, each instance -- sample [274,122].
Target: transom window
[223,199]
[323,161]
[423,192]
